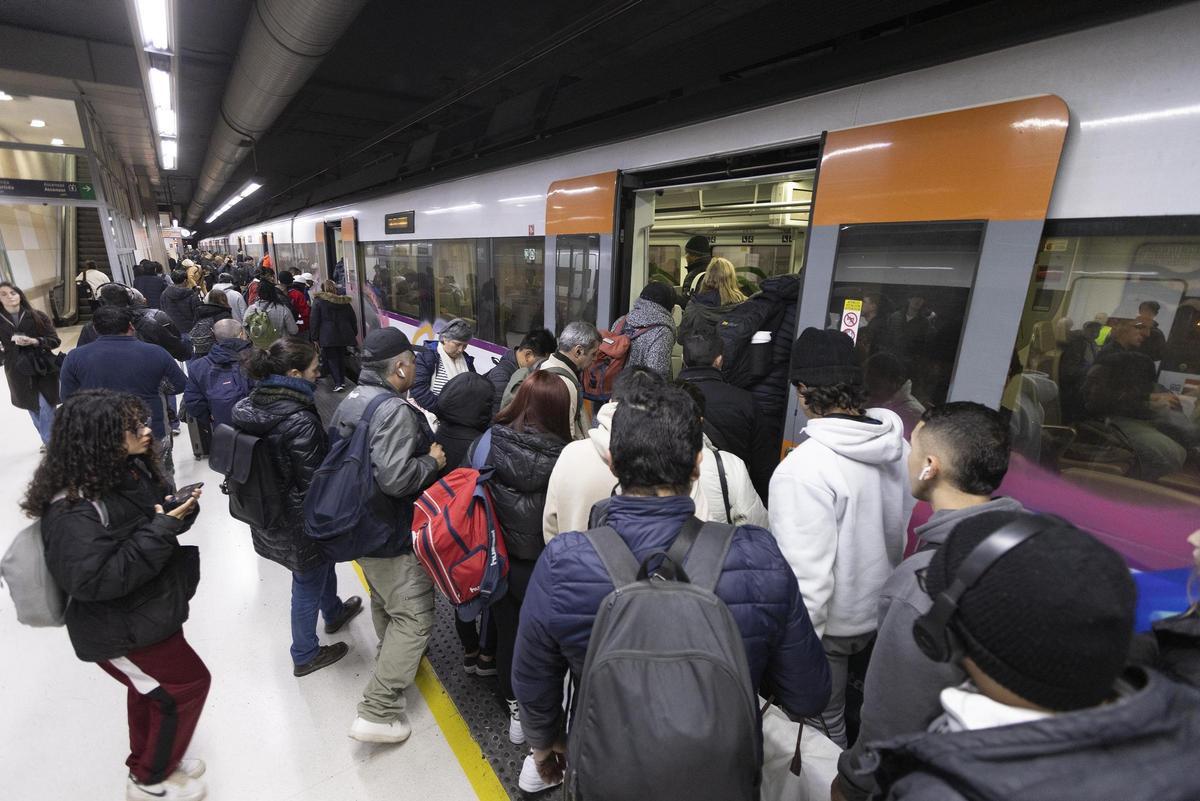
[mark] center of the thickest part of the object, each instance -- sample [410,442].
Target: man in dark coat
[180,302]
[150,325]
[730,418]
[216,382]
[660,432]
[535,346]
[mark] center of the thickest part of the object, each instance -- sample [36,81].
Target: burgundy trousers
[167,685]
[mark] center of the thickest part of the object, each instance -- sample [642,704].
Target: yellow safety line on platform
[470,757]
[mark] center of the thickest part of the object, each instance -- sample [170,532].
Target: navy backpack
[338,511]
[224,386]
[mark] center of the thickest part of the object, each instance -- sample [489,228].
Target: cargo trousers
[402,611]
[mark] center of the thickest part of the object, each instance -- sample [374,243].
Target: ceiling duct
[284,42]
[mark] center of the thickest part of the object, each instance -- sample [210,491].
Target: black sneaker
[485,665]
[470,663]
[326,656]
[350,607]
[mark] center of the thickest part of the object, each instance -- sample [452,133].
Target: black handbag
[34,362]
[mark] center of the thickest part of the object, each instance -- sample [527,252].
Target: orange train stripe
[994,162]
[583,205]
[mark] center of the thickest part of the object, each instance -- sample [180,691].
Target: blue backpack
[338,511]
[224,387]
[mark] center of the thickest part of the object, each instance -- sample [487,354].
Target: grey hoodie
[890,708]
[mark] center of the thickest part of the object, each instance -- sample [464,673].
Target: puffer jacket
[129,581]
[466,403]
[400,441]
[654,328]
[287,418]
[523,462]
[771,392]
[332,322]
[783,652]
[1141,747]
[180,303]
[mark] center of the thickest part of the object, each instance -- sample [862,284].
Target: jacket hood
[213,310]
[175,291]
[228,351]
[343,300]
[601,433]
[1063,756]
[938,527]
[466,400]
[866,442]
[647,312]
[223,287]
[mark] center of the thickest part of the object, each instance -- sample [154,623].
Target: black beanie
[698,244]
[660,293]
[823,358]
[1051,620]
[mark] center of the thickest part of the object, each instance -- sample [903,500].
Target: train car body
[1005,219]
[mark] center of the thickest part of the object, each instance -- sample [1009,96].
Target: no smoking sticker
[850,318]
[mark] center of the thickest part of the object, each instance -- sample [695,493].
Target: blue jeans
[43,419]
[312,590]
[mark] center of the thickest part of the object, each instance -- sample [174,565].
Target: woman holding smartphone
[111,534]
[26,337]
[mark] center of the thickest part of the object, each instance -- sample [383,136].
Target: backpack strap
[618,560]
[724,484]
[482,451]
[706,558]
[375,403]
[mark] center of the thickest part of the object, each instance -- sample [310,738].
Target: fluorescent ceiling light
[56,142]
[247,190]
[167,124]
[160,88]
[154,22]
[170,153]
[250,189]
[37,123]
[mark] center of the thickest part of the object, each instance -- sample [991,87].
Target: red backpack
[457,538]
[610,359]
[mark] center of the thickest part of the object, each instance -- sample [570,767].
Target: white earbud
[924,476]
[400,373]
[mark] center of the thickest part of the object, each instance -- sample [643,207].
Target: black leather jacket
[523,463]
[288,419]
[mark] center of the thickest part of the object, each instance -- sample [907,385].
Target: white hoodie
[839,509]
[237,304]
[581,477]
[745,507]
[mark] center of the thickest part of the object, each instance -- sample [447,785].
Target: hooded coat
[466,403]
[1141,747]
[524,461]
[287,419]
[237,304]
[655,329]
[332,322]
[181,304]
[581,477]
[893,706]
[225,359]
[839,506]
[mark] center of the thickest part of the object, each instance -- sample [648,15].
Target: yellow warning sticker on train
[851,316]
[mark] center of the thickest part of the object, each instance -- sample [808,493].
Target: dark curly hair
[86,455]
[823,400]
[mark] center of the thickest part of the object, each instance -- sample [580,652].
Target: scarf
[451,367]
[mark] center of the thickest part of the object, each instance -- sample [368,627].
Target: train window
[400,276]
[1105,376]
[512,298]
[456,264]
[756,263]
[663,262]
[308,259]
[902,291]
[286,259]
[576,273]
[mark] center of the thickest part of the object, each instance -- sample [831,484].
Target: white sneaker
[366,731]
[177,787]
[530,781]
[192,767]
[516,735]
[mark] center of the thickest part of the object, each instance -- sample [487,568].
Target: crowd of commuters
[997,660]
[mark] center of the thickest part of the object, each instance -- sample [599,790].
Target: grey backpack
[36,596]
[665,661]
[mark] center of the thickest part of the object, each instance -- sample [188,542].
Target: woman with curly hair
[282,411]
[112,544]
[26,338]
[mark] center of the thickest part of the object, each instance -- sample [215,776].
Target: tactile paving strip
[479,702]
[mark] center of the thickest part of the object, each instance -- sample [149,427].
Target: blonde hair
[721,276]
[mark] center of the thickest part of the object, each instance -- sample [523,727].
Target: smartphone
[183,493]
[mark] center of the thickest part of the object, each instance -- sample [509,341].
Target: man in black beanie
[1047,713]
[698,252]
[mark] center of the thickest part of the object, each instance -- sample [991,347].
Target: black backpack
[202,337]
[251,480]
[665,660]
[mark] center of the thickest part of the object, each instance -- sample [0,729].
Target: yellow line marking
[470,758]
[474,764]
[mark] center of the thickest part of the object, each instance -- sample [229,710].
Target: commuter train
[1018,228]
